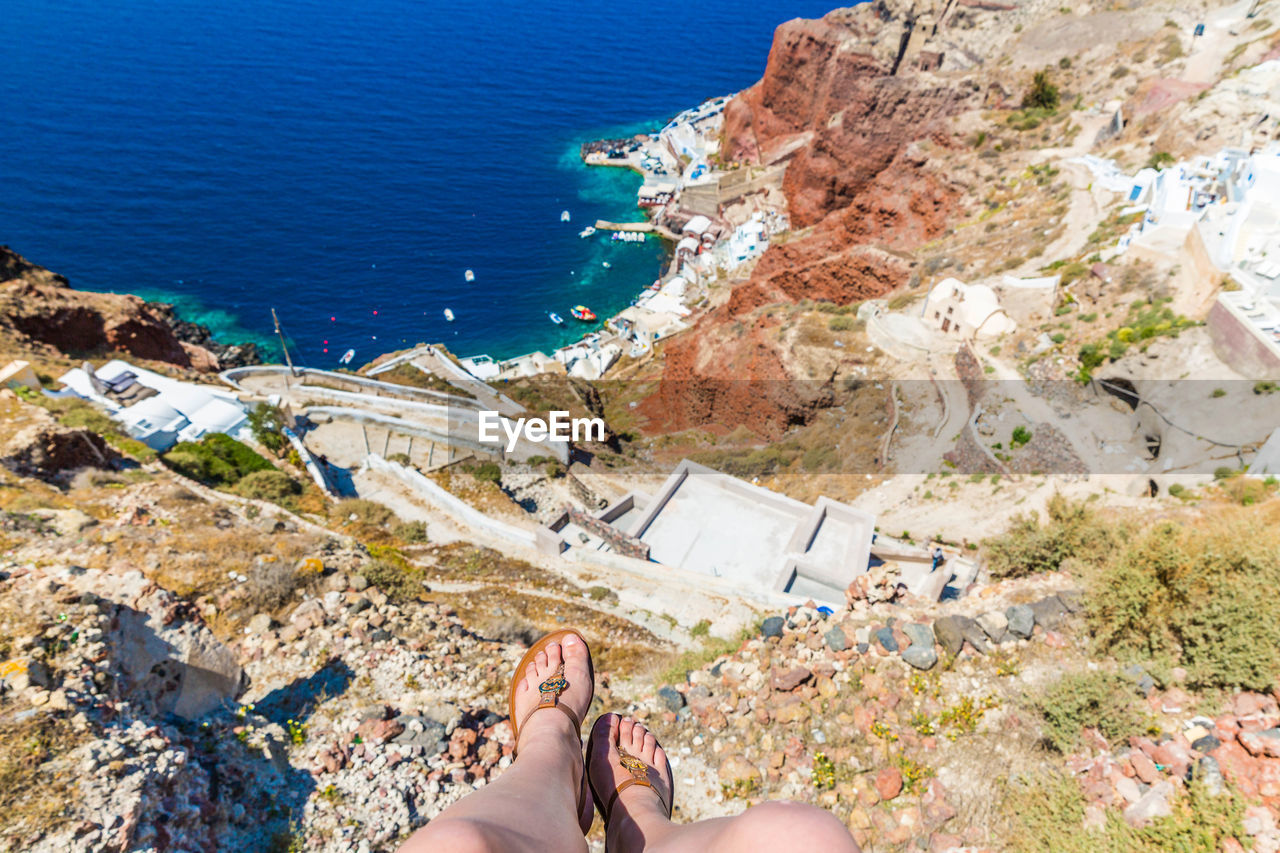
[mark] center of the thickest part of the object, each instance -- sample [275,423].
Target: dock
[646,227]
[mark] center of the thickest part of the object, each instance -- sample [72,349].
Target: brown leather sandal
[550,690]
[639,776]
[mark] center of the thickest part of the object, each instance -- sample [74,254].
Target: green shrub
[553,469]
[841,323]
[1021,435]
[364,512]
[1043,94]
[394,575]
[265,422]
[274,486]
[1100,700]
[1200,595]
[487,472]
[1218,392]
[1072,530]
[1265,387]
[399,458]
[1049,814]
[216,460]
[411,531]
[1057,337]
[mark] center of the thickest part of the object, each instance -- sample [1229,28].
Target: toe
[540,664]
[625,727]
[650,745]
[638,731]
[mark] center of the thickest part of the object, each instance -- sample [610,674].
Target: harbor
[713,221]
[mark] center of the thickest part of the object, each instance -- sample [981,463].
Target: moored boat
[555,318]
[469,275]
[583,313]
[448,314]
[587,232]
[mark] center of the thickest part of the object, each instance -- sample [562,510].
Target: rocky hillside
[41,313]
[185,668]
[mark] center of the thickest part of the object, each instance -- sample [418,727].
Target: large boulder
[48,451]
[169,660]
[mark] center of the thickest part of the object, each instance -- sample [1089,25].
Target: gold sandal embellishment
[553,686]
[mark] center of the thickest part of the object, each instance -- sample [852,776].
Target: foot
[552,729]
[638,815]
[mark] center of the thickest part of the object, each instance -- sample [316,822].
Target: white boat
[469,275]
[587,232]
[448,314]
[555,318]
[605,264]
[564,216]
[347,356]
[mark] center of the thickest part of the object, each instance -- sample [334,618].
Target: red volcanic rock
[40,306]
[889,783]
[854,135]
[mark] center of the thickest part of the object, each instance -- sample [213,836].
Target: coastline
[682,199]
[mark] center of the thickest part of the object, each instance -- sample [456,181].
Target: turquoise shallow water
[345,163]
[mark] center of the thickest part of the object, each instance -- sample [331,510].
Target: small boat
[583,313]
[564,216]
[605,264]
[347,356]
[587,232]
[555,318]
[448,314]
[469,275]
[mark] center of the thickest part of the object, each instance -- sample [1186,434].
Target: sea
[346,162]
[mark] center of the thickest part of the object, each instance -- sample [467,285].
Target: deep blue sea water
[346,162]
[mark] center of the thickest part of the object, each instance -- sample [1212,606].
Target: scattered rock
[1022,620]
[1049,612]
[737,772]
[790,679]
[889,783]
[994,624]
[772,627]
[836,639]
[921,657]
[886,640]
[671,699]
[1153,804]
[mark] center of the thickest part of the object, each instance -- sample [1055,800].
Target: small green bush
[274,486]
[1072,530]
[1021,435]
[266,422]
[216,460]
[411,531]
[487,472]
[1100,700]
[1201,595]
[364,512]
[399,458]
[399,580]
[841,323]
[1043,94]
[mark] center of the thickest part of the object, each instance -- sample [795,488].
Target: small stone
[1048,612]
[671,699]
[950,634]
[1153,804]
[358,582]
[994,624]
[791,679]
[836,639]
[921,657]
[1263,744]
[772,627]
[738,772]
[1022,620]
[1211,775]
[1206,743]
[886,640]
[1144,767]
[259,624]
[918,634]
[889,783]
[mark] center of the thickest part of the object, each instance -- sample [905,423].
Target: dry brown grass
[35,789]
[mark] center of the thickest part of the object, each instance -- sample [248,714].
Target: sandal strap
[550,691]
[639,776]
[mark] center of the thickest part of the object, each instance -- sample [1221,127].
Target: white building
[965,310]
[154,409]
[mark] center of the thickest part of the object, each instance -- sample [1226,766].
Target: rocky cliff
[41,309]
[855,125]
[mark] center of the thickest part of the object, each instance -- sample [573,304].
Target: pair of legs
[535,804]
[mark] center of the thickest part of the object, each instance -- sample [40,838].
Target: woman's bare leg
[639,821]
[533,805]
